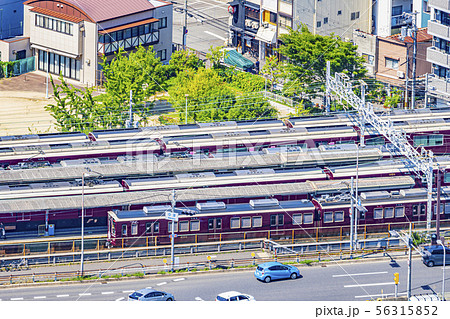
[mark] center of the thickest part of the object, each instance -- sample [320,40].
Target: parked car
[434,256]
[234,296]
[147,294]
[275,270]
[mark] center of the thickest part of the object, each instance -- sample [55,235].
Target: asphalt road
[207,23]
[336,282]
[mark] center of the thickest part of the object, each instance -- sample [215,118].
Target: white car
[234,296]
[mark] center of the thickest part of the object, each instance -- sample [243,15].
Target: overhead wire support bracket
[422,162]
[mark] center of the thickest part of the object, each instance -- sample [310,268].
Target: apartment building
[11,14]
[71,37]
[439,53]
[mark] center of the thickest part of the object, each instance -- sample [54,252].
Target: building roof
[101,10]
[135,24]
[422,36]
[57,15]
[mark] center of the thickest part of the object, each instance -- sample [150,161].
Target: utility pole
[438,203]
[407,77]
[185,25]
[328,91]
[352,216]
[414,36]
[172,238]
[129,122]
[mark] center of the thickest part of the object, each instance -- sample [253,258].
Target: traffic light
[396,278]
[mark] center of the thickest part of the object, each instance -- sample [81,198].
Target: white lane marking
[107,292]
[60,296]
[198,299]
[161,283]
[16,298]
[215,35]
[368,285]
[361,274]
[127,291]
[85,294]
[380,295]
[40,297]
[121,298]
[179,279]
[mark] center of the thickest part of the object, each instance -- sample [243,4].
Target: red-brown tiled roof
[57,15]
[422,36]
[126,26]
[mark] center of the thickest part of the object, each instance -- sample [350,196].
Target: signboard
[172,216]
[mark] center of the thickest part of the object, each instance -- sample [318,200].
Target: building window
[257,221]
[397,10]
[319,24]
[273,18]
[354,15]
[195,225]
[297,219]
[162,23]
[392,63]
[378,213]
[370,59]
[162,54]
[246,222]
[53,24]
[58,64]
[339,12]
[285,22]
[251,13]
[325,20]
[235,222]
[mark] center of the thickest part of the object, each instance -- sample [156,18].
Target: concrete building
[71,36]
[439,53]
[11,18]
[395,58]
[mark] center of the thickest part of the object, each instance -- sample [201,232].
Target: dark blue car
[274,270]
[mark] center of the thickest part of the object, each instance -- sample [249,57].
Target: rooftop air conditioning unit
[255,25]
[400,74]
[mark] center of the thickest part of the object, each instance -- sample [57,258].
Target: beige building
[70,37]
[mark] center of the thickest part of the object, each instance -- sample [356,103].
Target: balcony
[129,43]
[437,56]
[400,20]
[437,85]
[438,30]
[440,4]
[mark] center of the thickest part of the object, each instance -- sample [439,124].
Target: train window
[415,210]
[441,211]
[148,228]
[175,228]
[195,225]
[276,220]
[134,228]
[257,221]
[124,230]
[399,211]
[214,223]
[308,218]
[338,216]
[184,225]
[428,140]
[21,217]
[235,222]
[246,222]
[375,141]
[422,209]
[156,227]
[362,215]
[328,217]
[447,177]
[447,208]
[378,213]
[297,219]
[389,212]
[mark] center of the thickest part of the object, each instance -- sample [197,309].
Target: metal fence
[18,67]
[278,98]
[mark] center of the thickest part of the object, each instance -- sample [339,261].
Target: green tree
[139,71]
[272,70]
[215,56]
[76,109]
[308,53]
[182,60]
[394,99]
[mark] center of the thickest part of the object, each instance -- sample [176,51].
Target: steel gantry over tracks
[421,162]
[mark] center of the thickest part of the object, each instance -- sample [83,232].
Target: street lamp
[443,270]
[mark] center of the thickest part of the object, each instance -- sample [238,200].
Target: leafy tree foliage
[182,60]
[272,70]
[308,53]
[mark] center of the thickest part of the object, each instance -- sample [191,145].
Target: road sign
[172,216]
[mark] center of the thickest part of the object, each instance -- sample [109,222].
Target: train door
[214,225]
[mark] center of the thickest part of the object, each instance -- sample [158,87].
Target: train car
[38,139]
[257,217]
[25,214]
